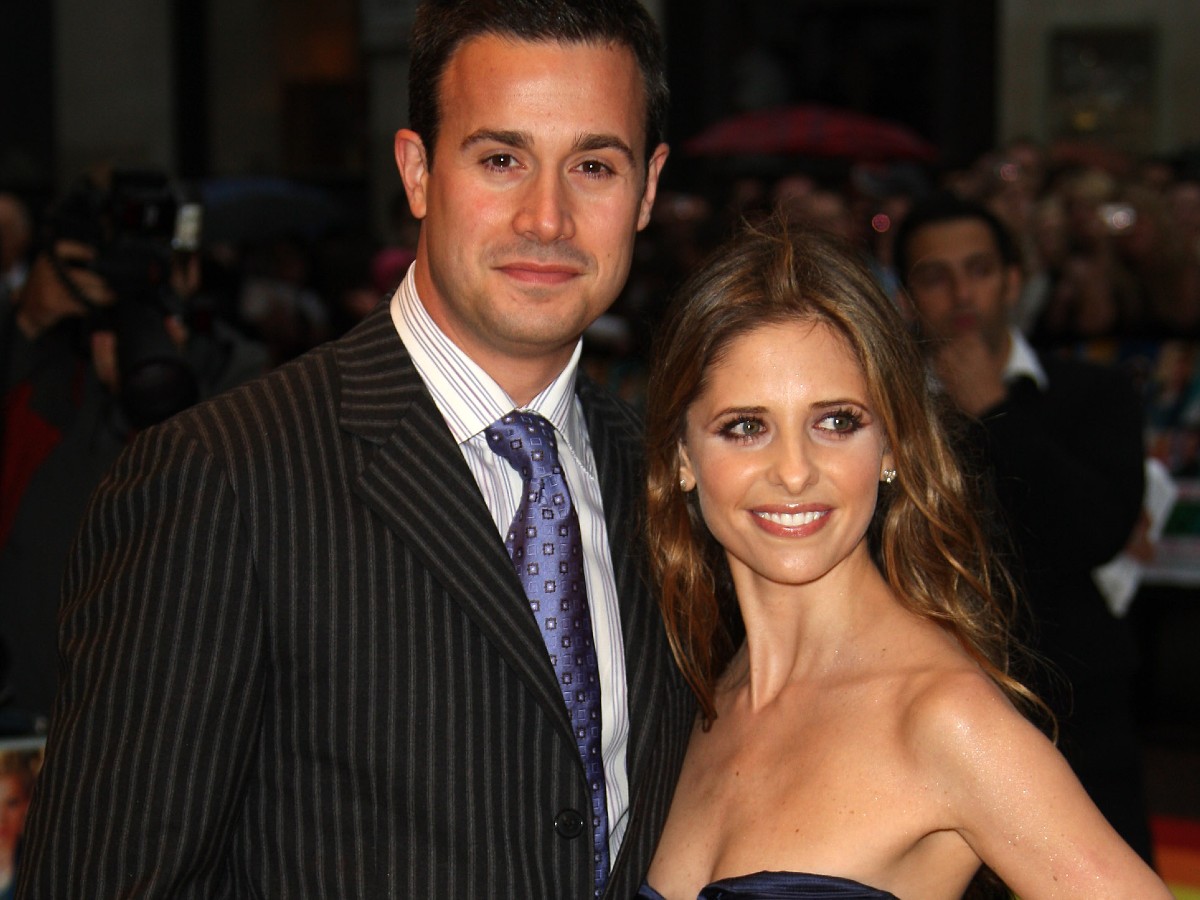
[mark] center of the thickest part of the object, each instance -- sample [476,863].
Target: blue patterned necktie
[547,551]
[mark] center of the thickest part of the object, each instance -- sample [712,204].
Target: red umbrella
[1091,154]
[811,130]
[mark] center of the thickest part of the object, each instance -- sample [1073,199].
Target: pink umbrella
[811,130]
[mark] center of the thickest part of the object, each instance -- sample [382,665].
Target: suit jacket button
[568,824]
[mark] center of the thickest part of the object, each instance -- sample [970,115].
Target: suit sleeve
[160,647]
[1069,465]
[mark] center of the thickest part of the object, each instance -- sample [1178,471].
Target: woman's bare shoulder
[991,776]
[953,704]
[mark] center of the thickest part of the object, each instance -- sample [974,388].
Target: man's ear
[653,171]
[414,169]
[908,309]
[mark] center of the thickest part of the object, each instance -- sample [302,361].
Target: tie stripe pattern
[547,552]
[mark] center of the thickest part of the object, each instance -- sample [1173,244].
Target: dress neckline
[782,885]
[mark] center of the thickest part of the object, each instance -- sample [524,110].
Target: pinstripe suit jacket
[297,661]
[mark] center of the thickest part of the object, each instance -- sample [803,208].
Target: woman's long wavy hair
[925,537]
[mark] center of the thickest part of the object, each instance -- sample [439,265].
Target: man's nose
[962,287]
[544,214]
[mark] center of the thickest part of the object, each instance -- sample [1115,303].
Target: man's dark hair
[442,26]
[949,207]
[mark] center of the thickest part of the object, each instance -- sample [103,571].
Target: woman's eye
[841,422]
[743,428]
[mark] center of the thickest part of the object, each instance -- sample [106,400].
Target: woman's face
[786,454]
[14,803]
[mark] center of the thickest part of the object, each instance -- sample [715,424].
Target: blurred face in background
[959,284]
[14,804]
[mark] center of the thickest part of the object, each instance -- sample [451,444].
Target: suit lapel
[415,478]
[660,703]
[617,448]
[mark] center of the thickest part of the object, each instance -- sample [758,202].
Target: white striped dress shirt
[470,400]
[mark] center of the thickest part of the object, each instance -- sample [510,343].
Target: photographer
[93,347]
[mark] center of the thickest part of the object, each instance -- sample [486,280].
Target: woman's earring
[889,475]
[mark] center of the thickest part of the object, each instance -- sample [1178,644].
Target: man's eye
[500,161]
[983,268]
[929,277]
[594,167]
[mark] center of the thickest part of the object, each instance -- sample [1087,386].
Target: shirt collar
[1023,361]
[469,399]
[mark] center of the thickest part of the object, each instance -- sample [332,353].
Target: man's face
[537,191]
[958,282]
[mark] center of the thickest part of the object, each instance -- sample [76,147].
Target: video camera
[136,224]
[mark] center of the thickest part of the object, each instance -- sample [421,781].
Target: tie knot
[526,440]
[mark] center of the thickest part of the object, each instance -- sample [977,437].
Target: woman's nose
[792,465]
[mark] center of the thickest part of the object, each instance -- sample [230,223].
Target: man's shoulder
[294,402]
[315,369]
[599,401]
[614,425]
[1068,372]
[318,369]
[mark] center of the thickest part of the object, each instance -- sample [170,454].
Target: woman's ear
[887,468]
[687,478]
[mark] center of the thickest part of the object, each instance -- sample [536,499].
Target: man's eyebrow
[520,140]
[523,140]
[587,142]
[926,263]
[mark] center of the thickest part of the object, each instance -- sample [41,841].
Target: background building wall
[1027,27]
[283,81]
[243,75]
[112,84]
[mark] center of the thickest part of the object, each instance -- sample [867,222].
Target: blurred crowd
[1110,243]
[124,301]
[1110,247]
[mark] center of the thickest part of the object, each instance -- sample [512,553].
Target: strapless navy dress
[781,886]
